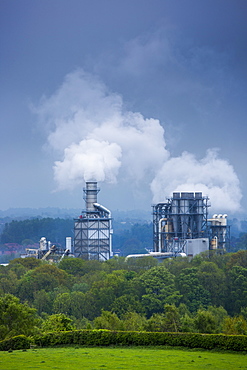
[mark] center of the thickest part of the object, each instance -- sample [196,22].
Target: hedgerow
[14,343]
[106,338]
[131,338]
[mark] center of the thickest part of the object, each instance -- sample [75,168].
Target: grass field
[120,358]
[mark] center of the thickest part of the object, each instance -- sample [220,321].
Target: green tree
[237,289]
[176,265]
[8,283]
[237,259]
[126,303]
[16,318]
[242,243]
[194,295]
[219,314]
[156,323]
[80,287]
[29,263]
[141,265]
[73,266]
[172,318]
[158,288]
[62,304]
[243,312]
[104,292]
[47,277]
[89,309]
[205,322]
[115,263]
[43,302]
[77,303]
[169,321]
[211,256]
[133,321]
[18,268]
[213,280]
[58,322]
[235,325]
[108,320]
[187,324]
[186,319]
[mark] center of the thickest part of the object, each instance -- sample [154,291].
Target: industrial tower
[93,228]
[180,224]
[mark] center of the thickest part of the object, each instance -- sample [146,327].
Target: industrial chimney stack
[90,197]
[92,230]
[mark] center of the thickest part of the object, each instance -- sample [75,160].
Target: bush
[18,342]
[105,338]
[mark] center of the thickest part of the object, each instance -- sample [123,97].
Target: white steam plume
[99,140]
[88,160]
[211,175]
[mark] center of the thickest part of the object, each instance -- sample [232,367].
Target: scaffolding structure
[93,230]
[183,217]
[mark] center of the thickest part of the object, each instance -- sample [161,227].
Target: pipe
[154,254]
[160,230]
[91,192]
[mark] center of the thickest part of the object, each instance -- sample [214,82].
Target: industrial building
[181,226]
[93,228]
[219,232]
[50,252]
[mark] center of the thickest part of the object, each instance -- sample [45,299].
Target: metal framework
[92,230]
[219,232]
[182,217]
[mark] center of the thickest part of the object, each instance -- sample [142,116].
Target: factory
[92,234]
[181,227]
[49,252]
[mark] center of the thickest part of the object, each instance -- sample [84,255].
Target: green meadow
[120,358]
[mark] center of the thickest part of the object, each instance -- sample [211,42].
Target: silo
[199,213]
[175,213]
[185,212]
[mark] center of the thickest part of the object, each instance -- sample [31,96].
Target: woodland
[130,235]
[206,294]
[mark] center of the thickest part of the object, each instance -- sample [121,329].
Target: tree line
[128,238]
[207,294]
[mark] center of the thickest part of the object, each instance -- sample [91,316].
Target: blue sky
[147,97]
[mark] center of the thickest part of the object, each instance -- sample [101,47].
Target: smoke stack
[93,231]
[91,192]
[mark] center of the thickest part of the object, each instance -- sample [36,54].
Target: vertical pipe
[91,192]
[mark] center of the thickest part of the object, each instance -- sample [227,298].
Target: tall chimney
[91,192]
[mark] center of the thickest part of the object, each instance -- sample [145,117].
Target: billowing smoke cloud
[98,139]
[88,160]
[211,175]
